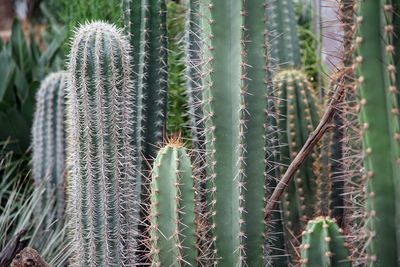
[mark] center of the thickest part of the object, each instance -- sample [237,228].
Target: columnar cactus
[48,143]
[234,104]
[284,36]
[145,22]
[100,156]
[379,117]
[172,215]
[298,117]
[323,245]
[193,41]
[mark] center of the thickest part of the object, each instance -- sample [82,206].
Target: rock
[28,257]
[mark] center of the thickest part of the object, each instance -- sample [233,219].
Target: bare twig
[13,247]
[312,140]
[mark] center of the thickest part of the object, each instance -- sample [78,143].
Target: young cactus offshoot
[172,215]
[323,245]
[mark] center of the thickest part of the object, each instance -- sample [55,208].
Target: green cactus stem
[172,215]
[323,245]
[379,118]
[48,144]
[100,156]
[155,79]
[284,36]
[234,104]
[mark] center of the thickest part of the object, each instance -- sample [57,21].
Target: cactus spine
[100,156]
[234,96]
[172,216]
[376,81]
[323,245]
[298,117]
[284,36]
[48,142]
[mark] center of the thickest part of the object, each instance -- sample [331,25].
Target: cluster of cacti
[249,122]
[48,145]
[323,244]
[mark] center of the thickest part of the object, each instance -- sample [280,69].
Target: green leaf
[7,69]
[14,127]
[20,50]
[48,56]
[22,85]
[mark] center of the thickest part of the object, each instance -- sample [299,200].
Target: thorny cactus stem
[234,104]
[100,156]
[172,215]
[48,144]
[379,117]
[323,245]
[283,32]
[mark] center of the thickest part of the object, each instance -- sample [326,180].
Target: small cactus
[172,215]
[323,245]
[102,204]
[48,144]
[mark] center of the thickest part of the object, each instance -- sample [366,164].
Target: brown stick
[13,247]
[312,140]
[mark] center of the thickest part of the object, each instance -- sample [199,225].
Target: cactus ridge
[172,216]
[101,199]
[48,143]
[323,245]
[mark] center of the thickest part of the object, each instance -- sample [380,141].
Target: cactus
[234,96]
[323,245]
[378,114]
[298,117]
[172,216]
[48,144]
[100,157]
[284,36]
[145,22]
[193,43]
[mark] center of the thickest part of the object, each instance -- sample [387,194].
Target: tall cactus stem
[100,156]
[48,143]
[376,81]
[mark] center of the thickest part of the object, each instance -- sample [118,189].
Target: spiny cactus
[145,21]
[284,36]
[100,156]
[48,144]
[298,117]
[379,119]
[323,245]
[193,41]
[234,96]
[172,215]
